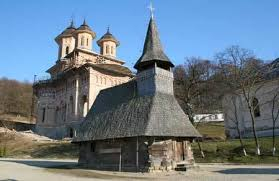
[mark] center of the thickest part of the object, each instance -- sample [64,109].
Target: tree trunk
[191,118]
[258,151]
[273,139]
[201,152]
[241,141]
[237,128]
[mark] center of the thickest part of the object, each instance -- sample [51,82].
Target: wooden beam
[137,154]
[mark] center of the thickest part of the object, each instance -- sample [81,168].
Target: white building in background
[219,117]
[236,110]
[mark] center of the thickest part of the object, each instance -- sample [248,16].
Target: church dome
[67,32]
[85,28]
[108,37]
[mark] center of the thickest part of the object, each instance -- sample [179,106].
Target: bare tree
[233,117]
[243,73]
[190,85]
[274,115]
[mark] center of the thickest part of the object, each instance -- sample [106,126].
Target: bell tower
[108,44]
[154,69]
[84,36]
[66,41]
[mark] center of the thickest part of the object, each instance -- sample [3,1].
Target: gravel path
[52,170]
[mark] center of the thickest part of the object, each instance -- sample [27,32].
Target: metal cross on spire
[150,7]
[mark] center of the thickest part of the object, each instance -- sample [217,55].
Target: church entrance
[71,134]
[179,153]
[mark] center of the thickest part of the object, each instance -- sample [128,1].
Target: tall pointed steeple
[152,50]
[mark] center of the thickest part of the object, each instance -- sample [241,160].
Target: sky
[187,28]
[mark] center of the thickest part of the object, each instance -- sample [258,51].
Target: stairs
[181,167]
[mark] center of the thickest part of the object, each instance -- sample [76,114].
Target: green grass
[212,129]
[221,151]
[230,152]
[12,145]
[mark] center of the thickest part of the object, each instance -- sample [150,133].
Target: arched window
[67,50]
[87,41]
[107,49]
[71,133]
[85,105]
[56,114]
[111,50]
[102,50]
[44,115]
[256,107]
[72,104]
[82,41]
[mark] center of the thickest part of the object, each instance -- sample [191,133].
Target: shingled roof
[67,32]
[152,51]
[120,112]
[108,37]
[85,28]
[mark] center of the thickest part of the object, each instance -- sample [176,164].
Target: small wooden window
[92,147]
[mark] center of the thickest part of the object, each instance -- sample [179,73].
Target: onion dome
[108,37]
[152,50]
[84,28]
[67,32]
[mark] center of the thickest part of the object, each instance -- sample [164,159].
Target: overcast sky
[187,28]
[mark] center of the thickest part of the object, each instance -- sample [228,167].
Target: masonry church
[76,78]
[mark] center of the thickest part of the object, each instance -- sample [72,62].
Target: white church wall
[263,122]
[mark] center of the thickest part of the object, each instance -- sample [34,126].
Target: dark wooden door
[179,151]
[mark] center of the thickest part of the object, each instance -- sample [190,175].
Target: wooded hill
[15,97]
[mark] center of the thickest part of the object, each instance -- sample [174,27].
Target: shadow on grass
[270,171]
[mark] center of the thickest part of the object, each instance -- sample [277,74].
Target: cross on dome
[151,9]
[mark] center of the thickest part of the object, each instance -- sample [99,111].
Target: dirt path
[52,170]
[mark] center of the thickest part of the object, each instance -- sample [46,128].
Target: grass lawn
[229,151]
[212,129]
[221,151]
[13,145]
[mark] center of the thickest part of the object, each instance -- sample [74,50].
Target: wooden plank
[110,150]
